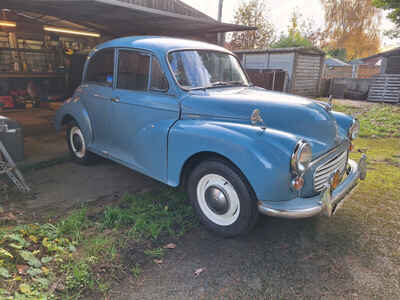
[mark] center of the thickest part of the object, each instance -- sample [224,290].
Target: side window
[159,82]
[101,68]
[133,71]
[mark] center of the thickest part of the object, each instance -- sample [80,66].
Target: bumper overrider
[326,203]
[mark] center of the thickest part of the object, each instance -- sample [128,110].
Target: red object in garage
[7,101]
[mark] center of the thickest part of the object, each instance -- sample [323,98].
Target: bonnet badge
[256,118]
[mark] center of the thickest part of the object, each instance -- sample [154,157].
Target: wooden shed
[386,86]
[303,66]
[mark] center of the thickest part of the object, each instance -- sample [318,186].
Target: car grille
[323,172]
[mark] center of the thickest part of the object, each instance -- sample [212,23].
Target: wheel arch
[74,111]
[67,118]
[199,157]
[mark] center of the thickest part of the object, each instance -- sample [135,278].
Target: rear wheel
[77,145]
[222,198]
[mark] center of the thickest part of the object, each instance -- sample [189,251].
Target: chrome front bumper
[326,203]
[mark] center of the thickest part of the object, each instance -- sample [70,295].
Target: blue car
[185,113]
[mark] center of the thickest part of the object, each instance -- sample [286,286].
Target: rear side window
[159,82]
[133,70]
[101,68]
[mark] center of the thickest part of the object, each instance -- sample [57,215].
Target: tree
[394,15]
[337,53]
[300,33]
[253,13]
[353,25]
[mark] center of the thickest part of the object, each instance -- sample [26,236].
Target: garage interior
[44,44]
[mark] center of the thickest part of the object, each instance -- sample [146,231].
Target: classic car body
[290,153]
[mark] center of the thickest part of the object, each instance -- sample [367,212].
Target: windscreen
[195,69]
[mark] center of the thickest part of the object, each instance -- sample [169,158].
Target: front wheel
[222,198]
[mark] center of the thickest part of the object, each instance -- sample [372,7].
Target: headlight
[354,130]
[301,157]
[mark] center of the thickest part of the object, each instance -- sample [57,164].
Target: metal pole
[221,36]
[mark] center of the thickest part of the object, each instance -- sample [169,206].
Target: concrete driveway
[282,259]
[68,185]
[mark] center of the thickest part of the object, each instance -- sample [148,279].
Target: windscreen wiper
[227,83]
[220,84]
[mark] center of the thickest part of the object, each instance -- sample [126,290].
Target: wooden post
[221,36]
[273,81]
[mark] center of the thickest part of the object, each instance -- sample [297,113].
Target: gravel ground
[281,259]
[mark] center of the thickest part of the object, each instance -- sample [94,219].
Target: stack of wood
[385,88]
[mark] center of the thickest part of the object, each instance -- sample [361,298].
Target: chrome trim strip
[326,202]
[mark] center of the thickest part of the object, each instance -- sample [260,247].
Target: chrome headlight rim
[298,166]
[354,129]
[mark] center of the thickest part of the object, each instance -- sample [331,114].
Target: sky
[279,12]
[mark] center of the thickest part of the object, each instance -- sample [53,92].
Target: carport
[44,43]
[113,18]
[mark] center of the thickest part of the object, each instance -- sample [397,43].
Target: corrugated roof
[119,18]
[334,62]
[174,6]
[395,51]
[305,50]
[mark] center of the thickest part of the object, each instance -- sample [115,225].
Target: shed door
[393,66]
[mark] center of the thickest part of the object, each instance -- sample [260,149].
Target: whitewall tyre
[222,198]
[77,145]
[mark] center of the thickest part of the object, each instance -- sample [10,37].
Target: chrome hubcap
[77,142]
[216,200]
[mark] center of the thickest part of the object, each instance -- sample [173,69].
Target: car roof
[159,44]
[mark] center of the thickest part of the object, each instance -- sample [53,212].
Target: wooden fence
[361,71]
[268,79]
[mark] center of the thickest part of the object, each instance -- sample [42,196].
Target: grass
[78,255]
[376,120]
[151,215]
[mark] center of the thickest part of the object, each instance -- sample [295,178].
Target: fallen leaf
[170,246]
[33,239]
[30,258]
[199,271]
[34,272]
[22,269]
[46,259]
[15,246]
[25,288]
[5,253]
[4,273]
[158,261]
[11,217]
[45,270]
[42,281]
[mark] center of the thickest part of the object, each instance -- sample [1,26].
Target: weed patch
[152,215]
[78,256]
[377,121]
[30,257]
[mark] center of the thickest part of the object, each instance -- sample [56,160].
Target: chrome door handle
[115,100]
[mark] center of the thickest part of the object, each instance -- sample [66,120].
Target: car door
[143,112]
[97,98]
